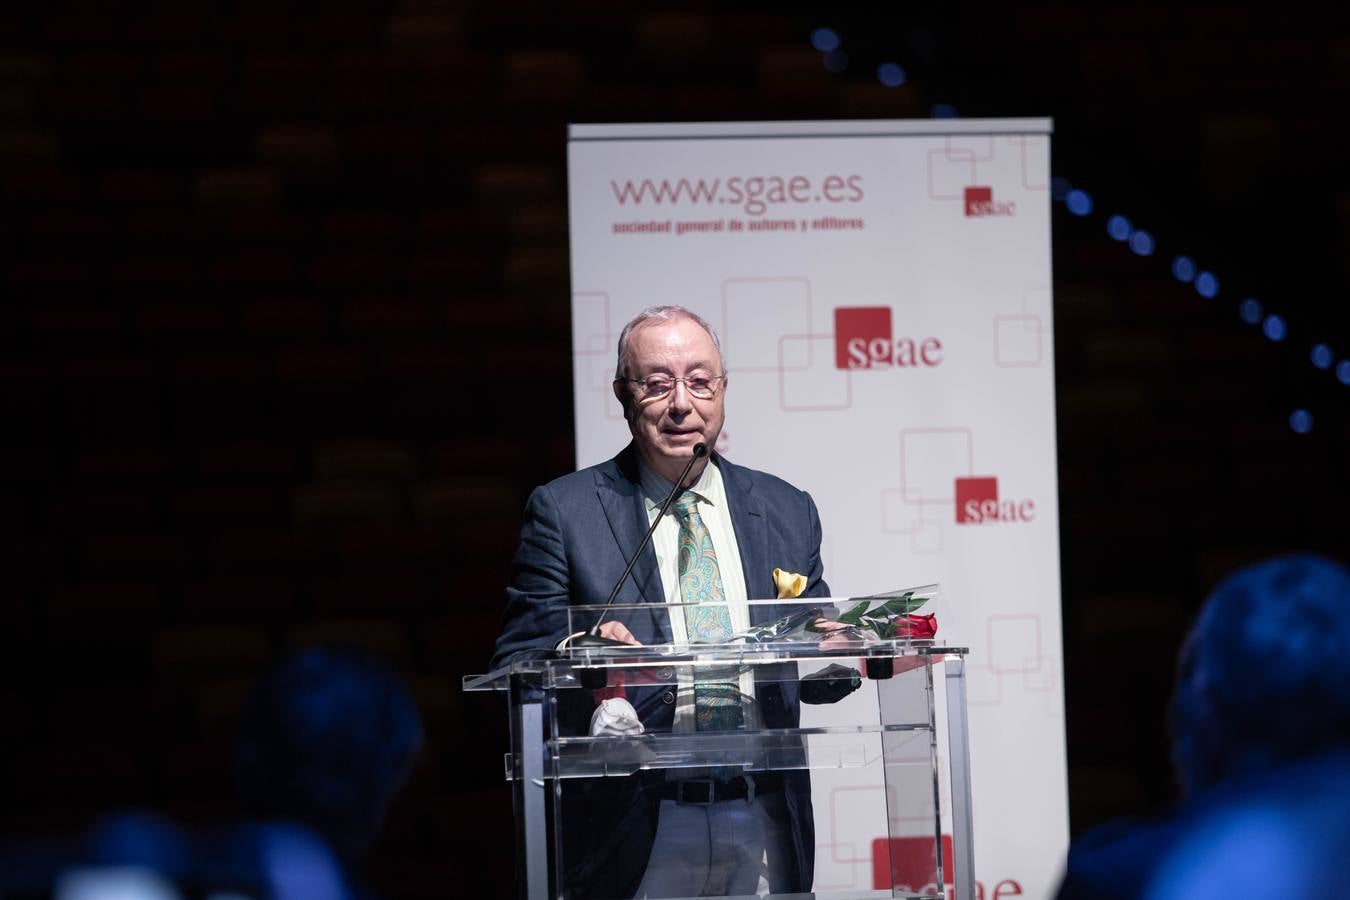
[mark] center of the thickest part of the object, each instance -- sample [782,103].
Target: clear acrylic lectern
[841,717]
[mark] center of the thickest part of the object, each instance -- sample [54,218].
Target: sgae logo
[977,503]
[862,340]
[980,202]
[909,863]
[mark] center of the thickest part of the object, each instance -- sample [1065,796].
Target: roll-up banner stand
[882,292]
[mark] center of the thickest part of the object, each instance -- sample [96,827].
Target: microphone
[592,638]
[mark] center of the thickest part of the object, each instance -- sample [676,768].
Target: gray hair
[655,314]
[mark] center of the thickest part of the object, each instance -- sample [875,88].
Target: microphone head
[700,450]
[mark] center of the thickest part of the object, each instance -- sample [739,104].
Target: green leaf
[900,606]
[881,627]
[854,615]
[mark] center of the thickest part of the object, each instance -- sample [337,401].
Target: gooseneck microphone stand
[592,636]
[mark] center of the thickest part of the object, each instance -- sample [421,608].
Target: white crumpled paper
[615,717]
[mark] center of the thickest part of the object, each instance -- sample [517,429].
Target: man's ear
[622,394]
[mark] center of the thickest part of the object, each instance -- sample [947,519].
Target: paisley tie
[717,703]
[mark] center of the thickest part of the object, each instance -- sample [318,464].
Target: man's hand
[617,631]
[833,639]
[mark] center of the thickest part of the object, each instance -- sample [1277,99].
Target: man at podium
[668,833]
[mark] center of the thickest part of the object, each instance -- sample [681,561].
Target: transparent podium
[819,750]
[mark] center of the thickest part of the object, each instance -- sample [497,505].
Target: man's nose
[681,401]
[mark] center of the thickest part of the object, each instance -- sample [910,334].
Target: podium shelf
[838,747]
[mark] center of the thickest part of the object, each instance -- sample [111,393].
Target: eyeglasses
[700,385]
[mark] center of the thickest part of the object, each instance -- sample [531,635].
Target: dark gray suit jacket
[581,529]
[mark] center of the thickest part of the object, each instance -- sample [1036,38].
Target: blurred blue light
[1343,371]
[836,61]
[945,111]
[1250,310]
[1274,328]
[1141,242]
[1206,285]
[1059,188]
[825,39]
[1118,227]
[1322,357]
[1183,268]
[1078,202]
[890,74]
[1301,421]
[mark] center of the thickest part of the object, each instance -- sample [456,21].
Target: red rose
[916,626]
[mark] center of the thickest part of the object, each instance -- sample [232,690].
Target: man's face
[667,428]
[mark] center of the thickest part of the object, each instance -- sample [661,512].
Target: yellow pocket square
[789,584]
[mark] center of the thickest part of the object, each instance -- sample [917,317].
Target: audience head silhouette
[1264,675]
[1290,834]
[327,739]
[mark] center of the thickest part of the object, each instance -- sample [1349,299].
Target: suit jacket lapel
[752,536]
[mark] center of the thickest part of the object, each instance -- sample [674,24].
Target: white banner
[883,295]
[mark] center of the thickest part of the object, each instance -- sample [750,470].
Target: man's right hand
[617,631]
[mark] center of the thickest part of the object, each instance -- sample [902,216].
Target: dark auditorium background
[285,346]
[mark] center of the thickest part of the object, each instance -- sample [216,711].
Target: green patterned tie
[717,704]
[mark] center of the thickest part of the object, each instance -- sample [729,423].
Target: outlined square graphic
[1017,340]
[861,327]
[810,389]
[950,169]
[590,323]
[755,312]
[854,812]
[981,147]
[899,516]
[977,490]
[597,357]
[978,199]
[931,459]
[1014,643]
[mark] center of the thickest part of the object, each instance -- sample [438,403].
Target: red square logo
[971,496]
[862,336]
[979,200]
[909,863]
